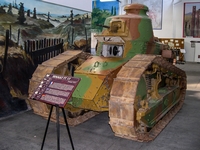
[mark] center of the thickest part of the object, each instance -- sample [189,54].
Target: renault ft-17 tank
[128,77]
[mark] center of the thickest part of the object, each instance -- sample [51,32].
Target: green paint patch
[153,112]
[138,47]
[81,89]
[162,91]
[158,108]
[99,48]
[145,29]
[165,101]
[141,89]
[76,102]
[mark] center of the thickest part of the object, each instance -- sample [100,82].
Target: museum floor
[25,130]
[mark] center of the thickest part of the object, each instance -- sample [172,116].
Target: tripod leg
[58,127]
[67,128]
[47,127]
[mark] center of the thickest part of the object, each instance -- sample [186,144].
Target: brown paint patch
[134,31]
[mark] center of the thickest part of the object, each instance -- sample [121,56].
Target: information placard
[55,89]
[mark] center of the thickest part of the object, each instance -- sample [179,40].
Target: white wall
[167,21]
[172,20]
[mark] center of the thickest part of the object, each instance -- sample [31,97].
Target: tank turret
[132,33]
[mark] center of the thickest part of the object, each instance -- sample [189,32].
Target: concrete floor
[25,131]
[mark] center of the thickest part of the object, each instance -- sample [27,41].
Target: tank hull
[128,77]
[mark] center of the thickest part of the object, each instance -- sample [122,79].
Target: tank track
[58,65]
[121,105]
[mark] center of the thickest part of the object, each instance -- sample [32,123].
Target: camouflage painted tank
[128,77]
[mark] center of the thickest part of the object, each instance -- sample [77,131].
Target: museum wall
[167,21]
[172,25]
[178,30]
[172,20]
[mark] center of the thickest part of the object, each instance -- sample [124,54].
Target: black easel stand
[58,127]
